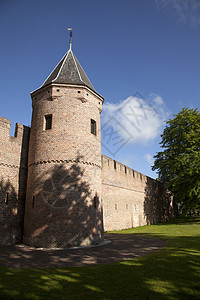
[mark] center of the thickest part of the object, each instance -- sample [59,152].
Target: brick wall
[68,177]
[13,176]
[130,198]
[63,203]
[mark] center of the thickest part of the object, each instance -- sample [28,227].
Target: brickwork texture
[131,199]
[13,176]
[56,188]
[63,202]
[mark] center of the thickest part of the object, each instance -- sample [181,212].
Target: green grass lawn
[171,273]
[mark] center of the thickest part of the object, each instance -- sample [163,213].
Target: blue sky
[142,56]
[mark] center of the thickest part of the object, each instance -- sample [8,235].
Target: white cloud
[136,120]
[157,99]
[149,158]
[186,11]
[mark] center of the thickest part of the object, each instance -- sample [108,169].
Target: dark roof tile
[69,71]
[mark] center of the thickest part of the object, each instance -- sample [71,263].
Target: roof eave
[69,85]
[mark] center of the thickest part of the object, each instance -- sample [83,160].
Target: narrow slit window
[6,198]
[115,164]
[48,122]
[95,201]
[93,127]
[125,170]
[33,202]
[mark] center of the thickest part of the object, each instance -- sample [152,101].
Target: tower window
[48,122]
[93,127]
[95,201]
[33,202]
[115,165]
[6,198]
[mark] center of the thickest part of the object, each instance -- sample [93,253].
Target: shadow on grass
[185,220]
[123,247]
[170,273]
[173,273]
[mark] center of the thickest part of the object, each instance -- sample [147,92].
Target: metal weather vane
[70,40]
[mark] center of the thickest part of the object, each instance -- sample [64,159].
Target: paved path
[122,247]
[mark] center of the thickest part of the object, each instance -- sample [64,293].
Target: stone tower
[63,199]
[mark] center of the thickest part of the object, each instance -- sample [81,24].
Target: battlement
[5,125]
[131,198]
[13,176]
[20,130]
[60,195]
[121,170]
[13,149]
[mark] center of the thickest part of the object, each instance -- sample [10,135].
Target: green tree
[178,165]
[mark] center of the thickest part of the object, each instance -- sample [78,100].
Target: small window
[133,173]
[48,122]
[33,202]
[93,127]
[6,198]
[125,170]
[115,206]
[95,201]
[115,164]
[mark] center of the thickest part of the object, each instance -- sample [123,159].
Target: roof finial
[70,40]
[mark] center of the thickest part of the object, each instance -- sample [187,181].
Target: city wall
[130,198]
[13,176]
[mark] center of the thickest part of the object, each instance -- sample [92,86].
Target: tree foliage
[178,165]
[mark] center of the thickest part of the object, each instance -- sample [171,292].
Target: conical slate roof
[69,71]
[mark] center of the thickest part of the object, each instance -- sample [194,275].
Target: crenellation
[133,190]
[5,126]
[13,176]
[5,122]
[56,188]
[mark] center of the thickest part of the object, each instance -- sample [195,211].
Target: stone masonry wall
[130,198]
[13,176]
[65,178]
[63,203]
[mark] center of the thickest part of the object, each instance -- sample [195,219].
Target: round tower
[63,201]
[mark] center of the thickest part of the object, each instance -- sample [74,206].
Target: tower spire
[70,39]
